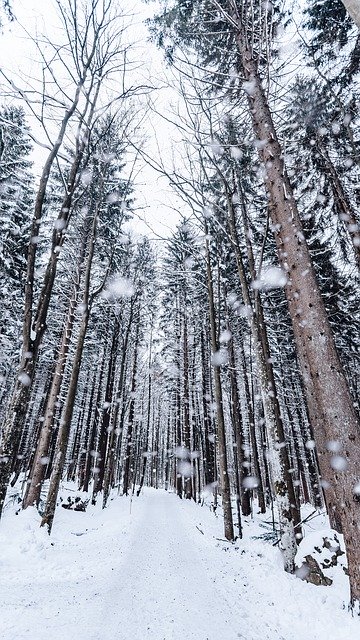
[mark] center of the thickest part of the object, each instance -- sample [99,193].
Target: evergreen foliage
[16,199]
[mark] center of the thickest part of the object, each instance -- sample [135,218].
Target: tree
[103,202]
[333,418]
[16,189]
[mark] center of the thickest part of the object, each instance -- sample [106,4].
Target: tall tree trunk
[105,431]
[242,456]
[113,453]
[330,405]
[347,215]
[178,435]
[209,462]
[32,494]
[129,437]
[224,481]
[93,418]
[148,414]
[252,430]
[186,411]
[289,517]
[65,423]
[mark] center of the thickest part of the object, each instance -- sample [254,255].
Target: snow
[24,379]
[270,278]
[155,568]
[219,358]
[225,336]
[339,463]
[119,287]
[250,482]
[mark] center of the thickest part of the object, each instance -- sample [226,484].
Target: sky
[156,204]
[158,210]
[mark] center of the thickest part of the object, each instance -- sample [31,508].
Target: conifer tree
[16,199]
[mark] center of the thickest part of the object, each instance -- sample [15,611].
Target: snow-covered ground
[155,568]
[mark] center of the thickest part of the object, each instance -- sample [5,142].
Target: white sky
[153,195]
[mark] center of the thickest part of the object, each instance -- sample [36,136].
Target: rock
[313,573]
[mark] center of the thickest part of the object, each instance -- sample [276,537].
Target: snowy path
[149,573]
[164,581]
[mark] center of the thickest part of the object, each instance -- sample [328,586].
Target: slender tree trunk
[87,418]
[106,434]
[129,438]
[178,431]
[113,453]
[347,215]
[94,417]
[186,411]
[147,427]
[167,471]
[242,457]
[208,435]
[252,431]
[220,422]
[32,494]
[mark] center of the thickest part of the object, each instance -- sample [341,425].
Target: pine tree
[16,199]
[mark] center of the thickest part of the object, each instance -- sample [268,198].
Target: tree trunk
[353,9]
[252,431]
[289,517]
[65,423]
[129,437]
[105,432]
[347,215]
[242,456]
[148,413]
[32,494]
[93,418]
[186,411]
[331,410]
[209,462]
[224,481]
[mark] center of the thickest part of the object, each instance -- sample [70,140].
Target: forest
[206,376]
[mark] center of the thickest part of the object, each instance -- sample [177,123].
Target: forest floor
[155,568]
